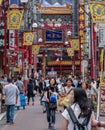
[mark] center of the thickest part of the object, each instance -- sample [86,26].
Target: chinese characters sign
[81,24]
[53,36]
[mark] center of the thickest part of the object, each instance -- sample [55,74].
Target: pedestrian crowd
[71,96]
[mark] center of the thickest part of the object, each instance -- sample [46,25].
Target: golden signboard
[101,64]
[70,51]
[35,49]
[14,19]
[75,44]
[0,2]
[97,11]
[28,38]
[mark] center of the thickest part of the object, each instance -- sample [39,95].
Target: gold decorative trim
[62,63]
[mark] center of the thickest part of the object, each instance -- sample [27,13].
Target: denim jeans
[30,97]
[50,114]
[10,113]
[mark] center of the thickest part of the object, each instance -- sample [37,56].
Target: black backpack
[77,125]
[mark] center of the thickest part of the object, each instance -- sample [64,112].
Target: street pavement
[32,118]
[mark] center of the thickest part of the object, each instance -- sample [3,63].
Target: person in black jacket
[30,89]
[51,112]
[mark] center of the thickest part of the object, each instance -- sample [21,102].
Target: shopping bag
[64,101]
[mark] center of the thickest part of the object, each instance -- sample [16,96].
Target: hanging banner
[28,38]
[70,51]
[101,64]
[75,44]
[101,59]
[97,11]
[0,2]
[35,49]
[81,24]
[14,19]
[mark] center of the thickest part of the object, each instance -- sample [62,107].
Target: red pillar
[95,47]
[35,63]
[16,38]
[5,40]
[25,61]
[93,52]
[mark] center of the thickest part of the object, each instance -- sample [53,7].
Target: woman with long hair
[51,112]
[81,109]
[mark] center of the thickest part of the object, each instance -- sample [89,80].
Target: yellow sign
[0,2]
[35,49]
[14,19]
[82,17]
[97,11]
[101,64]
[81,10]
[17,68]
[101,59]
[75,44]
[70,51]
[28,38]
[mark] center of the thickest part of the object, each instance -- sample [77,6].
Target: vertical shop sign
[101,103]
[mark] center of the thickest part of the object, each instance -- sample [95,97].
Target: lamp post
[34,27]
[73,57]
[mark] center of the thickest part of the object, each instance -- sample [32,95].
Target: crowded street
[32,118]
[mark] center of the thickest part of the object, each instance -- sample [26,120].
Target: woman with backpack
[51,103]
[83,115]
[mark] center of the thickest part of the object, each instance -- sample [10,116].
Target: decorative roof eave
[55,10]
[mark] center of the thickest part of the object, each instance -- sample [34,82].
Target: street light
[34,25]
[69,33]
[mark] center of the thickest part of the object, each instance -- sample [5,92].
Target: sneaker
[33,104]
[49,126]
[7,122]
[52,127]
[44,111]
[11,123]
